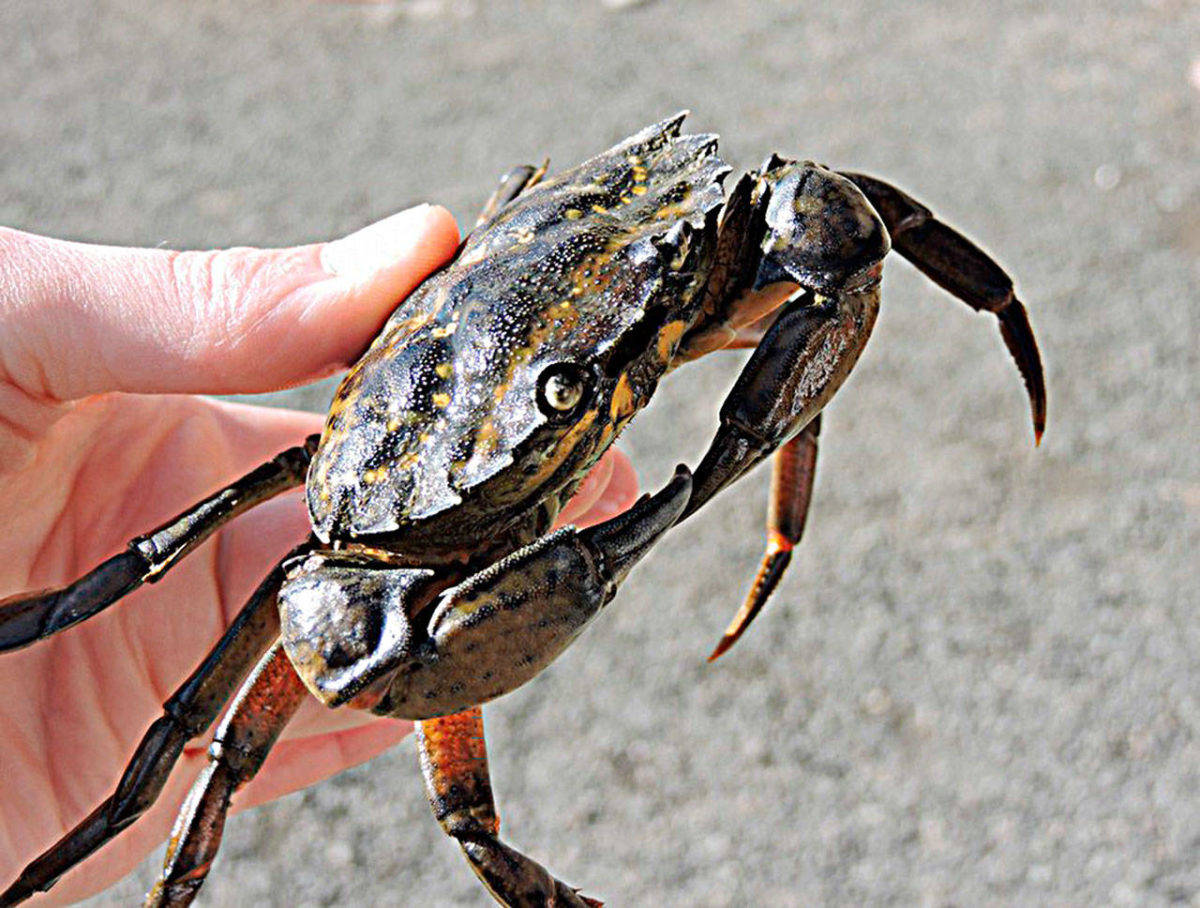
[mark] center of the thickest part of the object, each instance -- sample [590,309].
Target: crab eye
[561,389]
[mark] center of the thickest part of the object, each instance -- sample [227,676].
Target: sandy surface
[979,682]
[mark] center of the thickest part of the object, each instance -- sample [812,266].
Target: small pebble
[339,854]
[876,701]
[1107,177]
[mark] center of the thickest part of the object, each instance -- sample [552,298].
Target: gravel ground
[979,682]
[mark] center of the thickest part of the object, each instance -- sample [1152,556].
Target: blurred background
[979,681]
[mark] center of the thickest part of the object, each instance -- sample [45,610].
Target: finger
[605,492]
[77,319]
[589,490]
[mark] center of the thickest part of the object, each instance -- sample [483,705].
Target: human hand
[101,349]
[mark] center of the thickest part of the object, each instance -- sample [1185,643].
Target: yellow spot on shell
[638,190]
[379,474]
[668,337]
[622,400]
[487,439]
[444,330]
[599,209]
[443,370]
[574,214]
[441,400]
[606,436]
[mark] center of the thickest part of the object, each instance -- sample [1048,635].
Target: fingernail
[366,252]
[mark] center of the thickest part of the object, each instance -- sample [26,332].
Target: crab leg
[512,184]
[26,618]
[957,265]
[454,763]
[189,711]
[803,359]
[791,491]
[264,705]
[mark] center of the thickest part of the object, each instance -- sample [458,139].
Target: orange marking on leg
[769,572]
[791,489]
[777,542]
[454,757]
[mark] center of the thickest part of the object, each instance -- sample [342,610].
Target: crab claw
[623,540]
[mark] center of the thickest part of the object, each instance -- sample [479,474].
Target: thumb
[78,319]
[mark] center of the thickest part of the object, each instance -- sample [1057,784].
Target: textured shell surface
[597,269]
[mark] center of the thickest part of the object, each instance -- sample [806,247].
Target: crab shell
[438,436]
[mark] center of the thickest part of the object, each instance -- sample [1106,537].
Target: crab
[431,582]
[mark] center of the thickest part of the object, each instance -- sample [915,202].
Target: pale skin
[102,353]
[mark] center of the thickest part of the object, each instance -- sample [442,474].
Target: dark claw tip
[628,536]
[1018,337]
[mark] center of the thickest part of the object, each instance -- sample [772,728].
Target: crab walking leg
[512,184]
[960,267]
[189,711]
[454,763]
[792,474]
[803,359]
[27,618]
[264,705]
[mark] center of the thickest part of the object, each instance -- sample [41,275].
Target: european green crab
[430,583]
